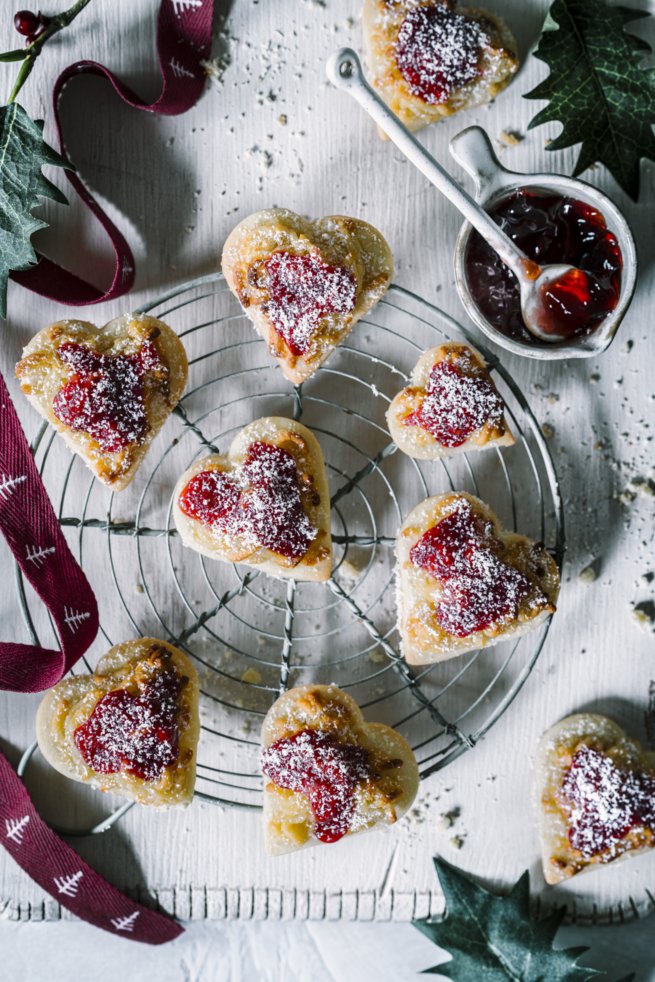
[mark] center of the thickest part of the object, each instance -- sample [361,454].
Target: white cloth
[277,951]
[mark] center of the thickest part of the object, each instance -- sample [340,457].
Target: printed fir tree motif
[125,923]
[73,618]
[8,484]
[494,939]
[598,87]
[68,885]
[38,554]
[185,6]
[15,828]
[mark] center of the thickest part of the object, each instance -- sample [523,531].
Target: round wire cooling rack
[253,636]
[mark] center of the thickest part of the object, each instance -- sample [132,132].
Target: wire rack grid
[253,636]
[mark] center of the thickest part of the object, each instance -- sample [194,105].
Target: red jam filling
[438,51]
[103,396]
[261,501]
[456,405]
[606,802]
[477,588]
[302,291]
[549,229]
[326,771]
[138,734]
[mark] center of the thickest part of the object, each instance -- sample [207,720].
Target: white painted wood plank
[177,186]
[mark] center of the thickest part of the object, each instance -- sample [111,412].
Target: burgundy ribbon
[184,29]
[32,531]
[30,526]
[63,873]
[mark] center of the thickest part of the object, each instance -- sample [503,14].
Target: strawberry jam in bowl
[550,229]
[554,220]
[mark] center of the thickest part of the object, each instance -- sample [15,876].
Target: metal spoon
[345,72]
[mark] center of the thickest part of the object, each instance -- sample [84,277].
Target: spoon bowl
[533,290]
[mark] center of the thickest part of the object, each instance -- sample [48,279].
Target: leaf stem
[55,24]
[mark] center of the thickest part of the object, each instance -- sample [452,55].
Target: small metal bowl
[472,149]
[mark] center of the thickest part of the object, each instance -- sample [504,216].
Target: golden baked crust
[417,441]
[424,639]
[42,374]
[297,440]
[498,61]
[552,761]
[345,244]
[381,800]
[127,666]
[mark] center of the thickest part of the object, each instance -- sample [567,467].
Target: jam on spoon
[550,230]
[261,500]
[327,771]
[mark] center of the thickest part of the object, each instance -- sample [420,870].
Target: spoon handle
[345,72]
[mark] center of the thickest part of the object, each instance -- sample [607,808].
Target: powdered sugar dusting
[478,588]
[456,405]
[328,772]
[104,394]
[438,51]
[259,503]
[303,291]
[605,802]
[134,732]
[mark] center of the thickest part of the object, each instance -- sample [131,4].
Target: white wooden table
[177,187]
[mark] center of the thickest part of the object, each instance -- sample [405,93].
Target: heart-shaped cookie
[429,58]
[463,583]
[305,284]
[132,727]
[450,406]
[107,391]
[266,502]
[594,796]
[327,773]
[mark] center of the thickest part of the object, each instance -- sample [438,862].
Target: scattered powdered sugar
[456,405]
[438,50]
[606,802]
[302,291]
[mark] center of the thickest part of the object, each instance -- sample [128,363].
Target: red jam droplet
[302,291]
[477,588]
[438,51]
[138,734]
[550,230]
[606,802]
[104,396]
[261,500]
[327,771]
[456,405]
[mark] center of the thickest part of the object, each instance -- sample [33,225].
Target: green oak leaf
[493,939]
[597,87]
[23,153]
